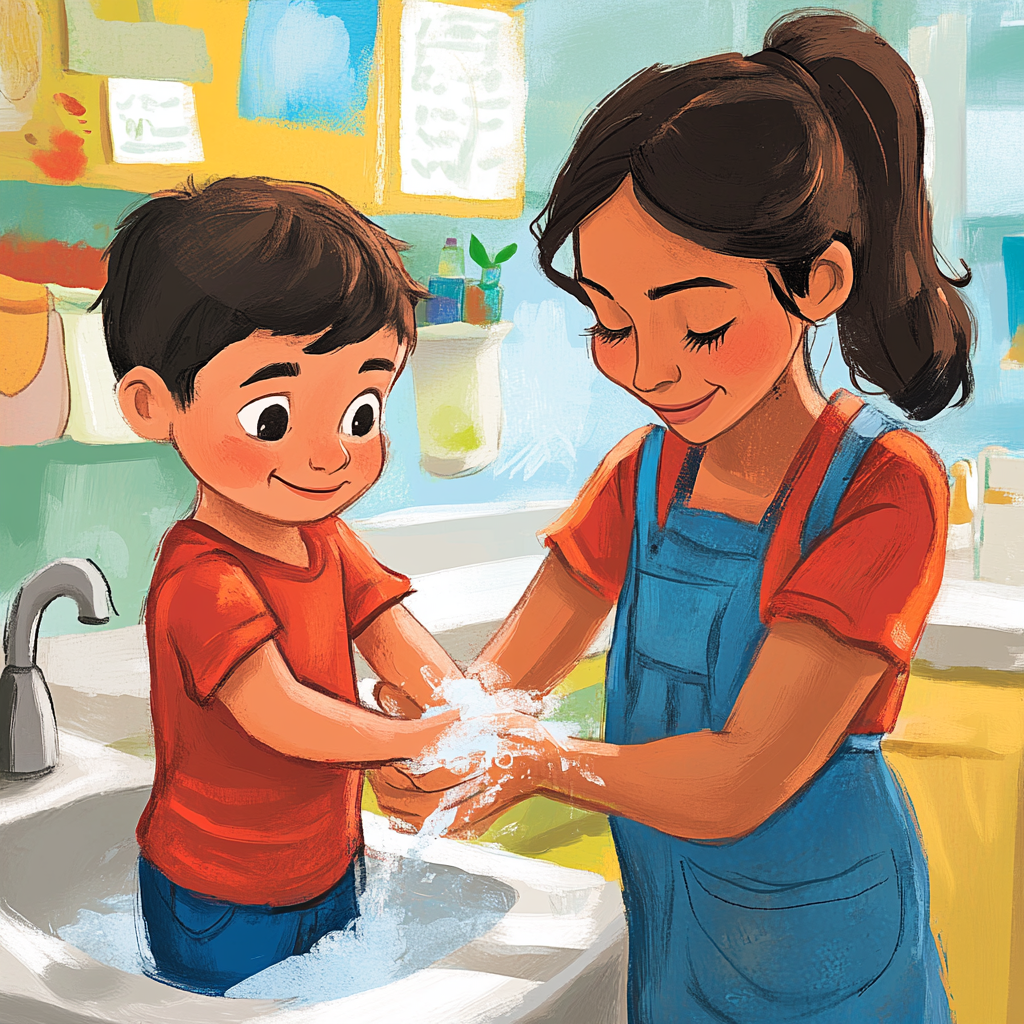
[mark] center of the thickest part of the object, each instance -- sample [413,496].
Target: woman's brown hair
[818,137]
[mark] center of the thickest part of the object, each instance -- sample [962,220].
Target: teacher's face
[698,336]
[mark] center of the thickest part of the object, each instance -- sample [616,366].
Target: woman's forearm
[549,630]
[793,712]
[696,786]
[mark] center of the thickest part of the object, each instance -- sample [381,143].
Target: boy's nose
[331,459]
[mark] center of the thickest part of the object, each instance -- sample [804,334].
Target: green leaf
[477,252]
[506,254]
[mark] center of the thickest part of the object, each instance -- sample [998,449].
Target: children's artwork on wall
[153,122]
[21,43]
[134,49]
[307,61]
[463,102]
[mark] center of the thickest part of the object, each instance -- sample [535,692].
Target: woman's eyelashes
[609,337]
[694,340]
[697,340]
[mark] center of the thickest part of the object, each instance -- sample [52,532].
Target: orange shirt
[870,580]
[228,816]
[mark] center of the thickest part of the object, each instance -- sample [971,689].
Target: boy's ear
[829,283]
[147,403]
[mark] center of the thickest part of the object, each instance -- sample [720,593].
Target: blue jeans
[208,945]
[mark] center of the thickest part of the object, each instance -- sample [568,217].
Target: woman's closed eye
[707,339]
[606,335]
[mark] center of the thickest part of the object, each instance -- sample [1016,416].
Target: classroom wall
[112,503]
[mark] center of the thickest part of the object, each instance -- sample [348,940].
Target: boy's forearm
[402,652]
[280,712]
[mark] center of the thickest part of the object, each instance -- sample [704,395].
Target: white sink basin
[553,937]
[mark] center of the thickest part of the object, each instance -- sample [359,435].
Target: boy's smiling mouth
[315,492]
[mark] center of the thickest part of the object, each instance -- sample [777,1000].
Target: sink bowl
[486,935]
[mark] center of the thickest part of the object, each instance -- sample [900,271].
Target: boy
[259,326]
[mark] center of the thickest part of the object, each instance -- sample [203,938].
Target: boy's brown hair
[196,269]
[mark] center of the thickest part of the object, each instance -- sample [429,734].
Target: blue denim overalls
[820,914]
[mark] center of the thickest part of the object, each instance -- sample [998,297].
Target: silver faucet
[28,726]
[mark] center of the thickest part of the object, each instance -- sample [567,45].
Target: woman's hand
[515,759]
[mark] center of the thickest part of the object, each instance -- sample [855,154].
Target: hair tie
[769,57]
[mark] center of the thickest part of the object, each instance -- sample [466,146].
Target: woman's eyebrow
[377,364]
[272,370]
[595,286]
[681,286]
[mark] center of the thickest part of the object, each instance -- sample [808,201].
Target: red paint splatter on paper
[69,103]
[66,161]
[75,266]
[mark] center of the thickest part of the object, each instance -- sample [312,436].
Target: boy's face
[289,436]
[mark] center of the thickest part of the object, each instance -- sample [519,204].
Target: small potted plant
[483,297]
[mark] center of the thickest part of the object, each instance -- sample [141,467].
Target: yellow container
[958,748]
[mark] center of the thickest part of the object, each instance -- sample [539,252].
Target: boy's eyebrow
[271,371]
[377,364]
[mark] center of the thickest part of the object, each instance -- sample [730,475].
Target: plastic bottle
[453,260]
[448,286]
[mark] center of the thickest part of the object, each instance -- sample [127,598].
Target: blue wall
[561,416]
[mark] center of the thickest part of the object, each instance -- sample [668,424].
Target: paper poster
[153,122]
[463,101]
[307,61]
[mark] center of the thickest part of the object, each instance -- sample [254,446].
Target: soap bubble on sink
[116,937]
[412,914]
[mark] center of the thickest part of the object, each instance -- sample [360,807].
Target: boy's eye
[362,416]
[266,418]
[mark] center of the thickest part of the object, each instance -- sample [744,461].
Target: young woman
[772,554]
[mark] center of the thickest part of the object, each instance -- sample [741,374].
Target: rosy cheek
[239,462]
[367,462]
[752,352]
[617,362]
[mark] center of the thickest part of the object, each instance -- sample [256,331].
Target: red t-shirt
[228,816]
[871,579]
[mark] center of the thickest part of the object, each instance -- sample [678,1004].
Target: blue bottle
[448,287]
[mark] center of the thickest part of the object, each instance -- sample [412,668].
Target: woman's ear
[829,284]
[146,403]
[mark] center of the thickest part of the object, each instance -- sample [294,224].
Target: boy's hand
[401,799]
[395,701]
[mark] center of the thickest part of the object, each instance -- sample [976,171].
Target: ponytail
[905,327]
[818,137]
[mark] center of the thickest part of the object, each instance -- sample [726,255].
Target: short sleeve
[370,588]
[873,578]
[215,618]
[592,537]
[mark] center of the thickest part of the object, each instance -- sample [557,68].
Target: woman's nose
[656,367]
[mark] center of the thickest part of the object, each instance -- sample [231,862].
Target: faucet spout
[28,726]
[77,578]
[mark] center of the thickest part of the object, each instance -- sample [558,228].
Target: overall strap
[647,478]
[867,425]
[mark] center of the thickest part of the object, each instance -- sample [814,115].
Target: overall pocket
[800,945]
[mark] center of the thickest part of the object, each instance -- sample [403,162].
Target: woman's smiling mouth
[684,413]
[313,492]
